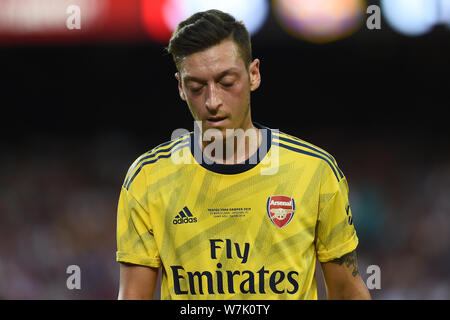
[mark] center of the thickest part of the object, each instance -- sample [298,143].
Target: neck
[233,145]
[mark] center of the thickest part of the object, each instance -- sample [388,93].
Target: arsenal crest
[280,209]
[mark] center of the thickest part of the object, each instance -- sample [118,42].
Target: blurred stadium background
[79,105]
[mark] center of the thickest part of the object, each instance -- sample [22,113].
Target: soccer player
[227,217]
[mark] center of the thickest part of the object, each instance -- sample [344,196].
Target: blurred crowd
[399,196]
[58,204]
[58,200]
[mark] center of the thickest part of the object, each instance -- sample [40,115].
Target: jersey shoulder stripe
[300,142]
[315,148]
[300,146]
[148,155]
[163,150]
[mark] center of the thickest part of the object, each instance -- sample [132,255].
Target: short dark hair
[205,29]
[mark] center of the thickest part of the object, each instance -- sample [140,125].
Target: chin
[217,127]
[220,125]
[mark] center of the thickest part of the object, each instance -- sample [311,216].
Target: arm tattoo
[349,260]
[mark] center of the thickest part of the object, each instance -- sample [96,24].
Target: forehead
[212,61]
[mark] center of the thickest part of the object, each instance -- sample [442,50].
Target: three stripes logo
[184,216]
[350,218]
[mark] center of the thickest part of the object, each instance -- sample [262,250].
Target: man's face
[216,85]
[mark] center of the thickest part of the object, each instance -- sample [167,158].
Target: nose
[213,101]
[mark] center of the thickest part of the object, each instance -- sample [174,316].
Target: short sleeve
[135,239]
[335,232]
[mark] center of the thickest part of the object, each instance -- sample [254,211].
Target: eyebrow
[218,77]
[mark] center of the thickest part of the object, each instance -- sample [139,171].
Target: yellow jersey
[245,231]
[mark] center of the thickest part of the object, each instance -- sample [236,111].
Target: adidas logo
[184,216]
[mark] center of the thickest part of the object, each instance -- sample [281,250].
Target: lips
[216,119]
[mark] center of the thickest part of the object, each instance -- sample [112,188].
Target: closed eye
[227,84]
[196,89]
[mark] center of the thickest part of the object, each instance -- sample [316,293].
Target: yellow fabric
[212,233]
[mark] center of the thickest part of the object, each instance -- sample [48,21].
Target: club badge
[280,210]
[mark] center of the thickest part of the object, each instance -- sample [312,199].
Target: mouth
[215,120]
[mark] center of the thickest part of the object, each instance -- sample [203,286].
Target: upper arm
[137,250]
[342,278]
[136,243]
[335,232]
[137,282]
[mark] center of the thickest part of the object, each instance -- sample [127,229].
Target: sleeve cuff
[139,260]
[339,251]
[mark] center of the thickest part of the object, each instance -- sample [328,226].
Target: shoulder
[303,148]
[162,151]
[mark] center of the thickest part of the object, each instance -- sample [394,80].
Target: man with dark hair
[233,210]
[206,29]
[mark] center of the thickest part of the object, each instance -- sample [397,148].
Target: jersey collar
[239,167]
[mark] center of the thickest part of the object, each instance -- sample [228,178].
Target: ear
[255,76]
[180,86]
